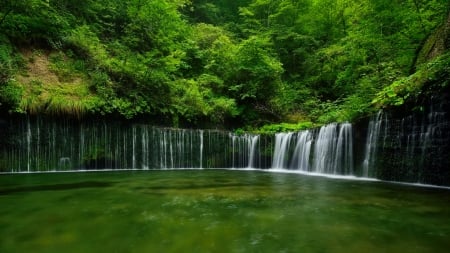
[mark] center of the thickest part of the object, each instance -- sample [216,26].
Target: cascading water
[397,150]
[282,145]
[252,152]
[411,148]
[244,150]
[343,160]
[373,133]
[333,150]
[302,151]
[201,149]
[42,146]
[28,145]
[324,149]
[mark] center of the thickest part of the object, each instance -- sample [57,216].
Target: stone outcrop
[436,44]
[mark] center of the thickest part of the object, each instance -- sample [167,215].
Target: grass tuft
[55,84]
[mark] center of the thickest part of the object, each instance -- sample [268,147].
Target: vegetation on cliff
[220,63]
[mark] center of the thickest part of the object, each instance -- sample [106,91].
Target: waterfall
[325,148]
[134,147]
[252,151]
[282,144]
[201,149]
[28,145]
[373,132]
[41,146]
[302,151]
[418,136]
[70,146]
[333,150]
[243,150]
[413,148]
[233,140]
[144,143]
[343,161]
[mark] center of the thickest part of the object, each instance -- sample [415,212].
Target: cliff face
[436,44]
[413,135]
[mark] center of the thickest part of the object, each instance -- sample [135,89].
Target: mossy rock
[436,44]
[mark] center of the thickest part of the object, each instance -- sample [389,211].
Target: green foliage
[193,100]
[435,75]
[32,21]
[258,73]
[88,43]
[67,69]
[10,92]
[11,95]
[5,64]
[284,127]
[228,63]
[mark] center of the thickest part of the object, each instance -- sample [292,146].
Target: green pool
[217,211]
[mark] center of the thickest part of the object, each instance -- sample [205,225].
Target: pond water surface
[217,211]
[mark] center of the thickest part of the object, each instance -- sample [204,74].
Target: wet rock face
[410,146]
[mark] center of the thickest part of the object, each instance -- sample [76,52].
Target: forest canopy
[222,63]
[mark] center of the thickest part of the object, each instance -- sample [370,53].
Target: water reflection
[217,211]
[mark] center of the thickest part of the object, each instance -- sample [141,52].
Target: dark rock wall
[412,146]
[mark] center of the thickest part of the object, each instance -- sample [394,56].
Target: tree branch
[5,15]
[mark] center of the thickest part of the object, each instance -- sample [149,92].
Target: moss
[433,76]
[285,127]
[436,44]
[427,48]
[54,83]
